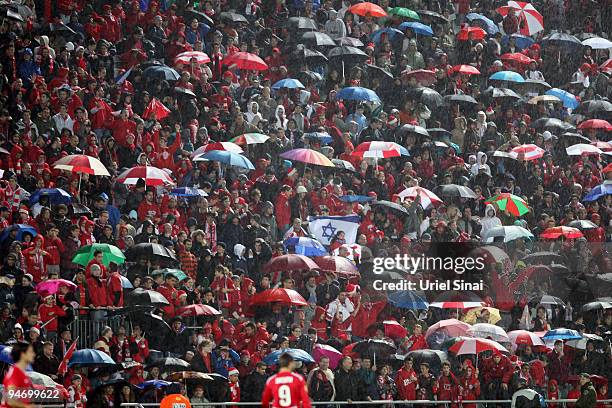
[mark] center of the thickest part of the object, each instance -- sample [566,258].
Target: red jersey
[16,380]
[286,390]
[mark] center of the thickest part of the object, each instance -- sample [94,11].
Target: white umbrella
[581,344]
[598,43]
[486,330]
[580,148]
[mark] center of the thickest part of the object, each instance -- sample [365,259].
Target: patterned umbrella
[450,327]
[515,205]
[475,346]
[530,19]
[186,57]
[524,337]
[308,156]
[151,175]
[80,163]
[428,199]
[380,150]
[582,148]
[598,192]
[528,152]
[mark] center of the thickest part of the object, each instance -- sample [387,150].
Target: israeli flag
[325,228]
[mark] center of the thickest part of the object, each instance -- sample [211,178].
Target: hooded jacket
[489,222]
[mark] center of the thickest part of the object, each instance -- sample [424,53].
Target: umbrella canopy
[582,224]
[355,198]
[283,296]
[55,195]
[515,205]
[288,83]
[434,358]
[110,253]
[388,205]
[308,156]
[339,265]
[427,198]
[186,57]
[391,33]
[597,305]
[501,93]
[524,337]
[169,363]
[475,346]
[191,376]
[466,69]
[80,163]
[403,12]
[598,43]
[357,93]
[483,22]
[562,40]
[598,124]
[408,300]
[543,98]
[450,327]
[508,233]
[520,41]
[528,152]
[460,99]
[188,192]
[531,21]
[454,299]
[476,313]
[177,273]
[52,286]
[582,343]
[347,54]
[323,350]
[343,164]
[474,33]
[21,229]
[390,329]
[318,39]
[551,300]
[433,16]
[142,297]
[593,106]
[418,28]
[371,347]
[381,150]
[198,310]
[424,77]
[569,100]
[227,158]
[367,9]
[583,148]
[297,354]
[290,262]
[162,72]
[553,123]
[305,246]
[152,176]
[351,41]
[90,358]
[245,61]
[223,146]
[486,330]
[562,334]
[233,17]
[150,251]
[455,190]
[430,97]
[509,76]
[562,231]
[249,139]
[598,192]
[302,23]
[157,384]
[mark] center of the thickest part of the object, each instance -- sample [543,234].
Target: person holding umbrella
[588,395]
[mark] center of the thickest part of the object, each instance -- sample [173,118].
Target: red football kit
[286,390]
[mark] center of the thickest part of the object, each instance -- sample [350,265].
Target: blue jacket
[221,365]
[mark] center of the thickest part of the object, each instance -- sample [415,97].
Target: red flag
[63,367]
[157,108]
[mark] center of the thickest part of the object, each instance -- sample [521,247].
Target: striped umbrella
[524,337]
[186,57]
[428,199]
[528,152]
[152,176]
[475,346]
[226,146]
[515,205]
[249,139]
[582,148]
[562,231]
[379,150]
[530,19]
[603,146]
[80,163]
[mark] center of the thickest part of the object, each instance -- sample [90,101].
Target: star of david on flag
[325,228]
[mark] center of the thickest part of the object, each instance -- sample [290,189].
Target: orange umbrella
[476,32]
[367,9]
[466,69]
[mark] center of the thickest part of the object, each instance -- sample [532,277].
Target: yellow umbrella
[473,314]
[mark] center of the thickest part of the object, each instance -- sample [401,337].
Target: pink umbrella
[323,350]
[452,328]
[528,152]
[475,346]
[185,57]
[308,156]
[52,286]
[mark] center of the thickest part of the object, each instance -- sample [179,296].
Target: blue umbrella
[521,41]
[322,137]
[306,246]
[391,33]
[153,384]
[56,196]
[90,358]
[408,300]
[562,334]
[225,157]
[21,229]
[568,99]
[356,198]
[297,354]
[357,93]
[418,28]
[598,192]
[507,76]
[188,192]
[125,283]
[5,354]
[289,83]
[485,23]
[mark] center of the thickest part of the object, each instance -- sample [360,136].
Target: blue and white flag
[325,228]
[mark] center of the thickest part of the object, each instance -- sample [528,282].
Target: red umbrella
[595,124]
[323,350]
[185,57]
[377,149]
[528,152]
[152,176]
[246,61]
[530,19]
[287,297]
[197,310]
[563,231]
[475,346]
[603,146]
[466,69]
[367,9]
[477,33]
[337,264]
[227,146]
[516,57]
[157,108]
[80,163]
[518,337]
[424,77]
[290,262]
[391,328]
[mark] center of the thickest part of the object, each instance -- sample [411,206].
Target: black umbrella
[163,72]
[374,348]
[353,42]
[318,39]
[555,123]
[12,15]
[532,85]
[561,40]
[430,97]
[233,17]
[544,258]
[455,190]
[141,296]
[582,224]
[198,15]
[390,206]
[460,99]
[376,71]
[112,383]
[303,76]
[571,135]
[185,93]
[433,15]
[150,251]
[302,23]
[434,358]
[600,285]
[347,54]
[418,130]
[310,56]
[593,106]
[169,363]
[501,93]
[343,164]
[596,305]
[439,133]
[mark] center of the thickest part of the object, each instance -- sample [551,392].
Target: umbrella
[41,380]
[125,283]
[524,337]
[343,164]
[347,53]
[177,273]
[532,85]
[198,310]
[297,354]
[509,233]
[56,196]
[110,253]
[323,350]
[318,39]
[150,251]
[198,15]
[426,197]
[52,286]
[283,296]
[308,156]
[450,327]
[388,205]
[191,376]
[516,57]
[353,42]
[474,314]
[245,61]
[142,297]
[598,124]
[418,130]
[598,43]
[434,358]
[475,346]
[607,169]
[337,264]
[408,300]
[357,93]
[151,175]
[249,139]
[153,384]
[424,77]
[546,258]
[418,28]
[484,22]
[598,192]
[597,305]
[374,347]
[227,158]
[305,246]
[80,163]
[582,224]
[551,300]
[302,23]
[321,137]
[551,123]
[90,358]
[460,99]
[454,299]
[403,12]
[475,33]
[455,190]
[312,57]
[355,198]
[391,33]
[466,69]
[543,98]
[581,344]
[169,363]
[515,205]
[501,93]
[562,40]
[568,99]
[390,329]
[224,146]
[188,192]
[562,334]
[380,150]
[578,136]
[233,17]
[583,148]
[21,229]
[288,83]
[520,41]
[161,72]
[531,21]
[367,9]
[487,330]
[528,152]
[429,97]
[509,76]
[593,106]
[290,262]
[562,231]
[309,76]
[433,15]
[186,57]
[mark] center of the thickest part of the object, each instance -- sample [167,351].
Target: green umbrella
[403,12]
[110,254]
[177,273]
[515,205]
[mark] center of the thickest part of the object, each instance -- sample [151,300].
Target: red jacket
[55,248]
[36,263]
[282,210]
[47,314]
[365,317]
[145,209]
[447,387]
[491,371]
[114,286]
[97,292]
[406,383]
[171,295]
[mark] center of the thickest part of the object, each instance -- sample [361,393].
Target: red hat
[392,120]
[275,49]
[245,353]
[405,239]
[372,194]
[370,45]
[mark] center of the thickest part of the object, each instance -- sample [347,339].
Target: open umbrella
[308,156]
[52,286]
[186,57]
[288,83]
[161,72]
[357,93]
[21,229]
[598,192]
[562,40]
[460,99]
[143,297]
[483,22]
[466,69]
[198,310]
[157,384]
[90,358]
[507,233]
[374,348]
[188,192]
[515,205]
[150,251]
[297,354]
[551,123]
[524,337]
[475,346]
[343,164]
[151,175]
[424,77]
[323,350]
[476,313]
[450,327]
[408,299]
[388,205]
[305,246]
[339,265]
[597,305]
[434,358]
[55,195]
[245,61]
[527,152]
[302,23]
[224,146]
[418,28]
[379,150]
[582,224]
[474,33]
[583,148]
[347,54]
[487,330]
[455,190]
[501,93]
[593,106]
[80,163]
[351,41]
[318,39]
[390,329]
[545,258]
[290,262]
[569,100]
[169,363]
[433,16]
[520,41]
[233,17]
[562,334]
[389,33]
[177,273]
[531,21]
[509,76]
[367,9]
[403,12]
[598,43]
[562,231]
[429,97]
[227,158]
[543,98]
[190,376]
[283,296]
[110,253]
[427,198]
[249,139]
[598,124]
[581,344]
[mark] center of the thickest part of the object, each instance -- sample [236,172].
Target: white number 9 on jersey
[284,396]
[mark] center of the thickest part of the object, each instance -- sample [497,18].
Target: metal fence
[87,327]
